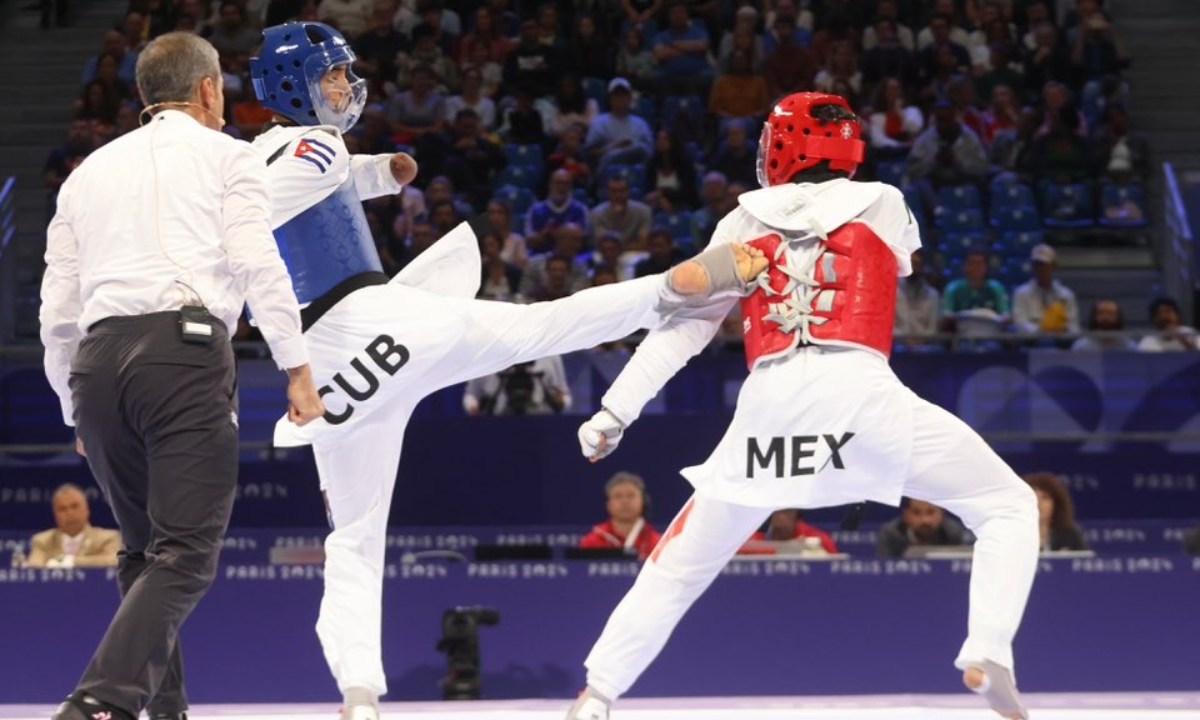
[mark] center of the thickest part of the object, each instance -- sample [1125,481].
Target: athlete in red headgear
[821,420]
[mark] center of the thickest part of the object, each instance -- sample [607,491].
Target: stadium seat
[954,198]
[522,176]
[956,244]
[891,171]
[527,155]
[679,223]
[1123,206]
[1015,218]
[1018,244]
[1067,206]
[635,174]
[1012,194]
[960,220]
[518,199]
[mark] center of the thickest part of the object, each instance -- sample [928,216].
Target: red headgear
[794,140]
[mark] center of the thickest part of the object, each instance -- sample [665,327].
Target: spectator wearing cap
[618,136]
[681,51]
[1171,334]
[1106,317]
[559,208]
[789,67]
[1043,304]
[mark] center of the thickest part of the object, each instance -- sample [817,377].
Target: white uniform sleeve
[254,258]
[372,176]
[305,171]
[61,303]
[896,226]
[668,347]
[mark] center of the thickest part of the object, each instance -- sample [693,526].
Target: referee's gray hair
[625,478]
[172,65]
[67,487]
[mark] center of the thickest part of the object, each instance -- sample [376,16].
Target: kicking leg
[499,335]
[954,468]
[358,474]
[699,542]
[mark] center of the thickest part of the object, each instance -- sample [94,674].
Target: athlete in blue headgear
[378,347]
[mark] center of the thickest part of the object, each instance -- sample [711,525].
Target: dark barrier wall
[777,628]
[495,471]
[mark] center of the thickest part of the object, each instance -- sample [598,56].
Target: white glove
[600,436]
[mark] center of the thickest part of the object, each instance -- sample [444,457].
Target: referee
[160,237]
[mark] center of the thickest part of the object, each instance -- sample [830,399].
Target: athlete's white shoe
[589,706]
[360,704]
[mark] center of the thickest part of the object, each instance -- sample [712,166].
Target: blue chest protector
[327,243]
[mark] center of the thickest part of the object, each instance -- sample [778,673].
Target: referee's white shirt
[149,221]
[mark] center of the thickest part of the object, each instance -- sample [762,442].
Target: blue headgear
[287,75]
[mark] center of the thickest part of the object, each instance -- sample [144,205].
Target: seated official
[626,526]
[787,526]
[1056,514]
[73,542]
[920,524]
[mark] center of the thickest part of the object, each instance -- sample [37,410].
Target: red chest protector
[849,297]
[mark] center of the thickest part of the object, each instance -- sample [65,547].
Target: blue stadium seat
[1018,244]
[583,196]
[956,244]
[1012,194]
[1013,271]
[959,197]
[960,220]
[527,155]
[522,176]
[1013,218]
[679,223]
[518,199]
[1067,206]
[596,89]
[647,109]
[406,149]
[1123,206]
[891,171]
[635,174]
[676,105]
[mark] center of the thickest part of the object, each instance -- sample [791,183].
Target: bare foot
[693,277]
[999,690]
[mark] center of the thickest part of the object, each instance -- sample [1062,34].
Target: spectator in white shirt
[1043,304]
[159,239]
[1172,334]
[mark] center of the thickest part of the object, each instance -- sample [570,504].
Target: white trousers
[450,340]
[951,467]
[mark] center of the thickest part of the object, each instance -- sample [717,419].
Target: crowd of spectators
[606,138]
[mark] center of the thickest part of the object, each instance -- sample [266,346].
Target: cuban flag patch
[315,152]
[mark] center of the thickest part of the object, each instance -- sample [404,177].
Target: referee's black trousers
[158,420]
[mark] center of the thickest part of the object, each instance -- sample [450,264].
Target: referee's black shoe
[79,706]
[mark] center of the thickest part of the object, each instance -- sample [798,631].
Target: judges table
[769,626]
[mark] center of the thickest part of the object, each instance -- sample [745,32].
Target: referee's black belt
[311,314]
[123,324]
